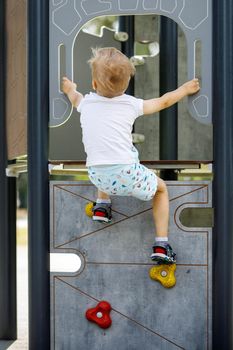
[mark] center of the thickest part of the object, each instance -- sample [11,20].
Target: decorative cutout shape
[168,5]
[65,262]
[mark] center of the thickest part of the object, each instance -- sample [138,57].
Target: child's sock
[161,239]
[103,201]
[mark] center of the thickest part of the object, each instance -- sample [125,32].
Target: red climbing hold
[100,314]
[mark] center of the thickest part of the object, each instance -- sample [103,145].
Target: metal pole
[126,24]
[223,174]
[168,130]
[38,178]
[8,316]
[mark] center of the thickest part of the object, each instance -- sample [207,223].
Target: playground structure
[212,299]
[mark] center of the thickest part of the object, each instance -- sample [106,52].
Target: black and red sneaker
[163,253]
[102,212]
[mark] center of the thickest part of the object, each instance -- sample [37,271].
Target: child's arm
[157,104]
[69,88]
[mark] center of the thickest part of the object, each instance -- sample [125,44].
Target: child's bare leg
[161,209]
[103,195]
[162,251]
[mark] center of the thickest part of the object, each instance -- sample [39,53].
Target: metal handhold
[121,36]
[138,138]
[137,60]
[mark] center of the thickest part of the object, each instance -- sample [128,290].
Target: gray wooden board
[115,264]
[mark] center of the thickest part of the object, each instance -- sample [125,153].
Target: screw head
[163,273]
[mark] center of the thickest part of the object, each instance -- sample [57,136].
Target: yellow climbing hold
[165,274]
[88,209]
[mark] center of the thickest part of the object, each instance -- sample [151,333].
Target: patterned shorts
[124,180]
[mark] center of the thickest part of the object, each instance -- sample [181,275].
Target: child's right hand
[192,86]
[68,85]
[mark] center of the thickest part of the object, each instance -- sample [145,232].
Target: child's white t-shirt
[107,128]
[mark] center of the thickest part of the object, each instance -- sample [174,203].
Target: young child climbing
[107,118]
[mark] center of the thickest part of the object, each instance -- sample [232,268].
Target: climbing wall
[114,267]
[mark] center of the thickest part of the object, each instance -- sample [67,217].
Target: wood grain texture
[16,78]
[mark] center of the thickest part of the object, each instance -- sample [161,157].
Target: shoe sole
[101,219]
[162,259]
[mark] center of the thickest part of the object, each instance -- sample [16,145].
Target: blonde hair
[111,70]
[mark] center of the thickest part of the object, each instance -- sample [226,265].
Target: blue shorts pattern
[124,180]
